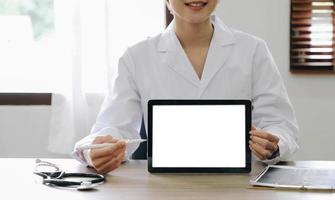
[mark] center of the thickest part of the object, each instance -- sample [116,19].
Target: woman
[197,57]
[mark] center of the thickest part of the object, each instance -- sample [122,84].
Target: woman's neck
[194,34]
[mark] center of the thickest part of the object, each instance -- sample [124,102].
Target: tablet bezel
[248,109]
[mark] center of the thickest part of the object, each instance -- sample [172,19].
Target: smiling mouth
[196,4]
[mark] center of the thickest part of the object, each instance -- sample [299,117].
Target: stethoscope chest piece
[85,186]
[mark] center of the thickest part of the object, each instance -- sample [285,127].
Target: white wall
[23,129]
[313,96]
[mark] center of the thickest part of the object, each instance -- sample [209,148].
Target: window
[312,36]
[27,29]
[43,41]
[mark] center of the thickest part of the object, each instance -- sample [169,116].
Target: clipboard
[290,177]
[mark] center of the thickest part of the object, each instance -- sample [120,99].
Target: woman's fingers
[112,164]
[265,143]
[262,152]
[107,151]
[108,158]
[256,153]
[100,161]
[265,135]
[262,143]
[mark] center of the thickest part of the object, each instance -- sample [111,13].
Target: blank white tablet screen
[198,136]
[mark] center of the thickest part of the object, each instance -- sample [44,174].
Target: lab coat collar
[219,51]
[222,36]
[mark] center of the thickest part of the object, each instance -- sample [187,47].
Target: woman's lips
[196,5]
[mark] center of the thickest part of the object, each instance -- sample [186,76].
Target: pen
[98,146]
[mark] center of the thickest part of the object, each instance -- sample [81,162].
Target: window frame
[313,70]
[25,99]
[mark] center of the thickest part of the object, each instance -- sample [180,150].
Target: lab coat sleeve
[120,115]
[272,111]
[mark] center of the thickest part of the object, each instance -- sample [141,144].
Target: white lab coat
[238,66]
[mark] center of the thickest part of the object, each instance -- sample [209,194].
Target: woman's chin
[196,19]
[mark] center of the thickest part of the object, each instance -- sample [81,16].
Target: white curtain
[81,31]
[91,35]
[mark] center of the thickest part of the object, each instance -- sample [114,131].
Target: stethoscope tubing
[56,178]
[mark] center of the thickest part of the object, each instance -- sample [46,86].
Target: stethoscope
[56,177]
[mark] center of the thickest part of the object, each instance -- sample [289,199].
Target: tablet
[209,136]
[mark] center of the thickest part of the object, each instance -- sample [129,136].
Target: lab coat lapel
[183,66]
[219,51]
[175,57]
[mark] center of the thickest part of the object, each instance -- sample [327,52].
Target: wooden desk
[132,181]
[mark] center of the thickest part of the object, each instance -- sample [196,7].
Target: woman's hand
[262,143]
[109,158]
